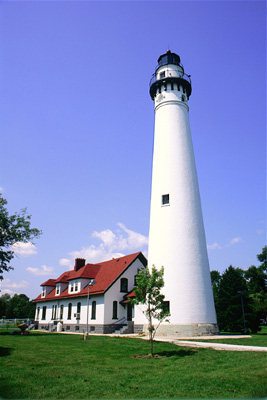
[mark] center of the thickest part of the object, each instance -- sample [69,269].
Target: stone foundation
[81,328]
[186,330]
[138,328]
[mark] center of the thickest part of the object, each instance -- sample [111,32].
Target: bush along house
[65,299]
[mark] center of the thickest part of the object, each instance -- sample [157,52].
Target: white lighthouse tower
[176,234]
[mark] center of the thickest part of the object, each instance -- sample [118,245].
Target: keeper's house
[65,299]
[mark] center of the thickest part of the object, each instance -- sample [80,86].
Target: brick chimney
[79,263]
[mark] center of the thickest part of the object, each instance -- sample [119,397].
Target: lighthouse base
[185,330]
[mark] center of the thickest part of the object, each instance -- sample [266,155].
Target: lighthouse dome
[168,58]
[169,73]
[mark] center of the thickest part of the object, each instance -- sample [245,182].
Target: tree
[13,229]
[215,281]
[262,257]
[228,302]
[256,278]
[147,292]
[4,299]
[20,306]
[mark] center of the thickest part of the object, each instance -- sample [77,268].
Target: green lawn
[60,366]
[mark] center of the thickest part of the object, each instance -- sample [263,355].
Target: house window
[37,313]
[69,310]
[55,314]
[52,313]
[93,316]
[115,310]
[44,312]
[124,285]
[165,199]
[138,271]
[61,311]
[162,75]
[78,311]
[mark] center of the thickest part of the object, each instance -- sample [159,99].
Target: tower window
[166,306]
[162,75]
[165,199]
[183,98]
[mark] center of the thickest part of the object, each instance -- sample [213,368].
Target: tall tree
[147,292]
[215,281]
[13,229]
[228,302]
[262,257]
[257,285]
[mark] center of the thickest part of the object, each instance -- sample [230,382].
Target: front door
[129,312]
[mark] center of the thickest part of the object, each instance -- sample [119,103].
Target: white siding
[114,293]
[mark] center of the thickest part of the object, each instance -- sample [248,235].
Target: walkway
[187,343]
[209,345]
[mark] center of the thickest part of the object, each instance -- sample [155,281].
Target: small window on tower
[166,306]
[165,199]
[162,75]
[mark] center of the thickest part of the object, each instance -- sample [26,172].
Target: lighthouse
[176,232]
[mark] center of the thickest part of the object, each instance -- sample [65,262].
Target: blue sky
[77,125]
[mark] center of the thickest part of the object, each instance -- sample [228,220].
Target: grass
[60,366]
[259,339]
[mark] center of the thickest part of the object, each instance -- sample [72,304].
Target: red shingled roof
[127,296]
[104,273]
[49,282]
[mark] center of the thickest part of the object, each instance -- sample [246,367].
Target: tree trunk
[150,335]
[151,345]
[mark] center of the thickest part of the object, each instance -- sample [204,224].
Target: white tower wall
[176,235]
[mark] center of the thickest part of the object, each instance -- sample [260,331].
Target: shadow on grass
[167,354]
[31,333]
[177,353]
[5,351]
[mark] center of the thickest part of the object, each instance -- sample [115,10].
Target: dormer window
[71,287]
[76,287]
[58,289]
[43,292]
